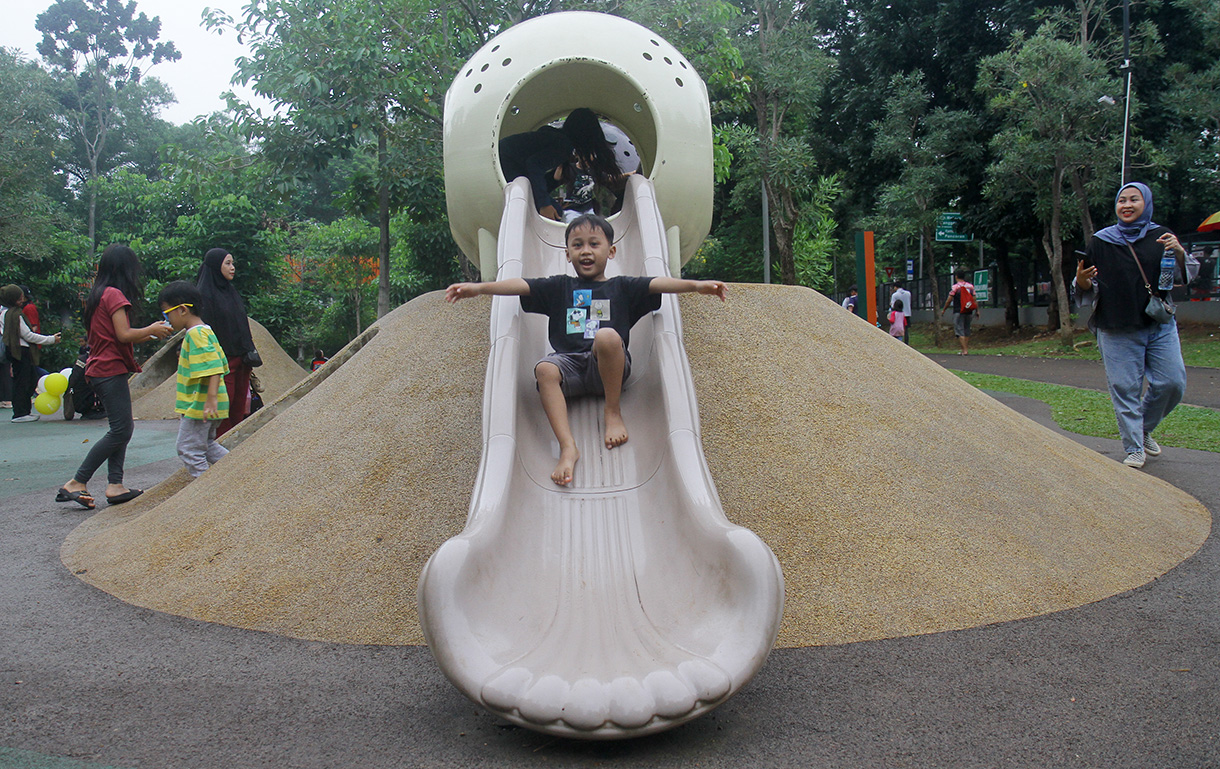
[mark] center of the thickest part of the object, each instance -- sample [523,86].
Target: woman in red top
[111,362]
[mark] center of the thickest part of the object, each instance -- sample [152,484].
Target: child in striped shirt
[202,399]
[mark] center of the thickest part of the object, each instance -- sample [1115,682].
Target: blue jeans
[1153,353]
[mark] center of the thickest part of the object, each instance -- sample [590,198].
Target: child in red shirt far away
[590,319]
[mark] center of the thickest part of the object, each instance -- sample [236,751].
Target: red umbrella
[1210,223]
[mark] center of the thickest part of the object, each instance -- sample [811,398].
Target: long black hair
[223,308]
[119,267]
[585,132]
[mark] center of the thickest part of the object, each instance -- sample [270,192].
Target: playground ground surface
[88,682]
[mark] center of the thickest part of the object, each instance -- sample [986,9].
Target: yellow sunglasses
[176,306]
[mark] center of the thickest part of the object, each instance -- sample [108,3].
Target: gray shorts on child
[579,374]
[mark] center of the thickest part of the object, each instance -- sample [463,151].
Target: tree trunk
[383,221]
[1012,312]
[356,301]
[783,226]
[92,206]
[1054,250]
[1082,198]
[929,237]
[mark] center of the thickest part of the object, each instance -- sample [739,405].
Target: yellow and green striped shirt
[200,358]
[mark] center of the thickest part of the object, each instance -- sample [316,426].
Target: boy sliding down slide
[590,319]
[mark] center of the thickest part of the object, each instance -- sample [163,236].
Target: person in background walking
[965,307]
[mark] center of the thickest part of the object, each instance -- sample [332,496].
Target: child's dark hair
[181,292]
[897,305]
[961,275]
[585,131]
[589,220]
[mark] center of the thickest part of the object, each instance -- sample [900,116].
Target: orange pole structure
[866,282]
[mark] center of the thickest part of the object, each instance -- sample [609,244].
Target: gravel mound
[898,499]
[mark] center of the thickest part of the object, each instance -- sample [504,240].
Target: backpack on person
[965,299]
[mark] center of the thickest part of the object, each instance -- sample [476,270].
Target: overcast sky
[197,79]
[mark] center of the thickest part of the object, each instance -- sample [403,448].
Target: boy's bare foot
[616,430]
[567,464]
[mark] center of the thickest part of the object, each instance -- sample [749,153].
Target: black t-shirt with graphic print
[576,308]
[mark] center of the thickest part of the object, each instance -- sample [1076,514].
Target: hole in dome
[678,80]
[484,68]
[478,88]
[667,61]
[506,62]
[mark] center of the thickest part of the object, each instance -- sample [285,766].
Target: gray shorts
[579,374]
[961,323]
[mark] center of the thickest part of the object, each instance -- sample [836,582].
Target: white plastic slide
[626,603]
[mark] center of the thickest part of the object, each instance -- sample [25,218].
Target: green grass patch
[1088,412]
[1200,343]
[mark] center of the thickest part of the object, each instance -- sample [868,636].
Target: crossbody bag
[1157,308]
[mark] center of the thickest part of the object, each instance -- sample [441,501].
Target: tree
[927,146]
[1192,99]
[28,141]
[786,72]
[346,252]
[814,242]
[1047,90]
[347,74]
[98,49]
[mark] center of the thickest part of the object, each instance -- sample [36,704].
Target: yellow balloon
[47,403]
[56,384]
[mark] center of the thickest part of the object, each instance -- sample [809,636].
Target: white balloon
[67,372]
[42,384]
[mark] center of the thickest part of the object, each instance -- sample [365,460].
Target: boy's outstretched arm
[682,286]
[510,287]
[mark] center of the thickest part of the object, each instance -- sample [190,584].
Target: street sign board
[982,286]
[946,229]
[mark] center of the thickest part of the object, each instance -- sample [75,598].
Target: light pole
[1126,69]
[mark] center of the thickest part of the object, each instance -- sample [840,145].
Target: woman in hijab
[21,345]
[225,312]
[1119,276]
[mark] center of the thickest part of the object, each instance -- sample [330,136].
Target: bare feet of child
[616,430]
[567,464]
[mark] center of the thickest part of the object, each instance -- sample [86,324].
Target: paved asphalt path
[87,681]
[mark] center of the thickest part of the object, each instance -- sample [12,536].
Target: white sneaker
[26,418]
[1151,447]
[1134,459]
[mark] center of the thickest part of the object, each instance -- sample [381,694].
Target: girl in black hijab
[225,312]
